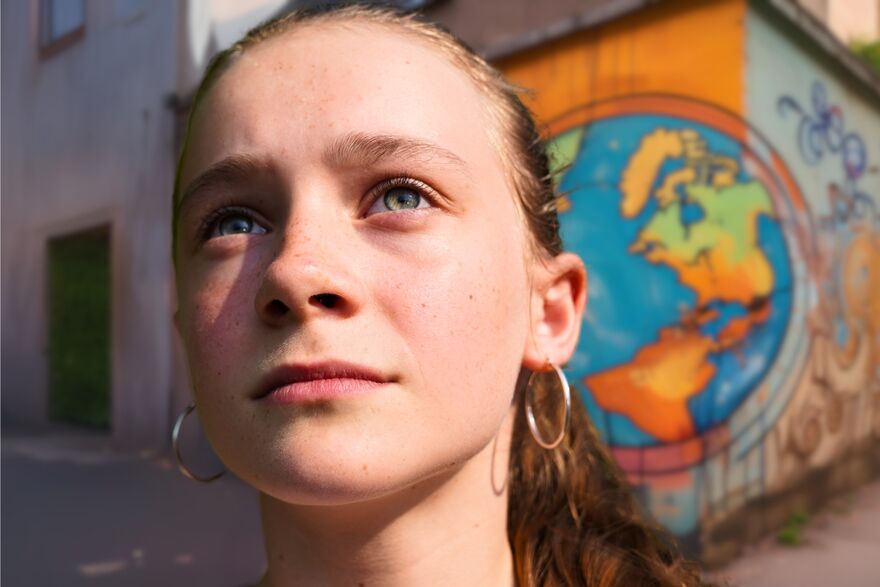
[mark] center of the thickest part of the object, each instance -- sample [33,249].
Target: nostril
[277,309]
[329,301]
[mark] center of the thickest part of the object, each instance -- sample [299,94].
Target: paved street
[841,548]
[76,513]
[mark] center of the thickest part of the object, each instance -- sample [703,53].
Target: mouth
[317,382]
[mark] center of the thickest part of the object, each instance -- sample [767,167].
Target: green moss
[869,51]
[792,534]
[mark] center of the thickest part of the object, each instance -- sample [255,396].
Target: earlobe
[559,298]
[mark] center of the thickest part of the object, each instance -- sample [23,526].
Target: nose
[309,275]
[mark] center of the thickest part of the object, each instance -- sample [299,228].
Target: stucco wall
[730,351]
[87,140]
[824,129]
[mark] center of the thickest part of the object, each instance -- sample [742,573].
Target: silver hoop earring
[530,414]
[175,434]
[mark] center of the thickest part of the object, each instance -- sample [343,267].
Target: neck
[450,529]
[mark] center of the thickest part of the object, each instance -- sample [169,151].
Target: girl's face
[347,238]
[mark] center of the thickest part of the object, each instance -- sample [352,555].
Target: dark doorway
[79,328]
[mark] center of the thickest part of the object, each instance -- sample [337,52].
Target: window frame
[49,47]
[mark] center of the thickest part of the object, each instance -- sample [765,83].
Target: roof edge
[826,41]
[562,28]
[789,10]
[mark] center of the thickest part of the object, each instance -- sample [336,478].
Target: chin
[329,473]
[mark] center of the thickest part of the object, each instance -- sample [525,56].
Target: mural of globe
[680,224]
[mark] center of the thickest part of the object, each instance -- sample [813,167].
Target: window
[61,23]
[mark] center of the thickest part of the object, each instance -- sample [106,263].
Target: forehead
[302,89]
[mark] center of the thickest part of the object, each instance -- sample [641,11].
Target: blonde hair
[572,517]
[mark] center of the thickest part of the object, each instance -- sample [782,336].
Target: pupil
[235,224]
[401,199]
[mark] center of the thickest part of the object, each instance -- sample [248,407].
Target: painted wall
[727,214]
[827,131]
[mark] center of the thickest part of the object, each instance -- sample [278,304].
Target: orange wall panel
[694,48]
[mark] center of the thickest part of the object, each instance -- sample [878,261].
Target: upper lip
[299,372]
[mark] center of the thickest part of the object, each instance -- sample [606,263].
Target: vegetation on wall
[869,51]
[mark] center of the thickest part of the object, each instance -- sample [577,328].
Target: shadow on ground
[77,513]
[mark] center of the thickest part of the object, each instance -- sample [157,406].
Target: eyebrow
[349,150]
[229,170]
[361,149]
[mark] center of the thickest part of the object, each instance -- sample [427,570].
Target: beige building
[850,20]
[89,146]
[87,143]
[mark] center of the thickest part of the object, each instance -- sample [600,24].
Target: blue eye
[233,222]
[394,197]
[401,199]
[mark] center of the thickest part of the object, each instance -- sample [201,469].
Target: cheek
[465,323]
[215,309]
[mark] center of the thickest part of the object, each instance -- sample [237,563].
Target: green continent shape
[562,152]
[734,211]
[729,216]
[717,256]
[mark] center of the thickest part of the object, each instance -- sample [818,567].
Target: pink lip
[315,382]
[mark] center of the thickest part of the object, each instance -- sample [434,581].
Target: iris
[402,199]
[235,224]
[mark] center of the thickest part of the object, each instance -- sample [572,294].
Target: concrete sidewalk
[841,547]
[77,513]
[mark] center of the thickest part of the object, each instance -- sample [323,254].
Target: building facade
[720,170]
[87,159]
[91,128]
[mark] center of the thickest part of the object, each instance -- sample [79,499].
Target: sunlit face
[346,218]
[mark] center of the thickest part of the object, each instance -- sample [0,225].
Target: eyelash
[401,181]
[209,224]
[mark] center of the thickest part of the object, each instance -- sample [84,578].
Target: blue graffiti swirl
[822,131]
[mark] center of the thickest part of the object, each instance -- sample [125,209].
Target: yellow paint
[655,148]
[638,177]
[690,47]
[654,388]
[718,256]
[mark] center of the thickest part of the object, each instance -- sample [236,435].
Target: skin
[404,485]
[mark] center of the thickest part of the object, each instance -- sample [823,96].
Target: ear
[559,295]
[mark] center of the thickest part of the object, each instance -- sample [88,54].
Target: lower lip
[320,390]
